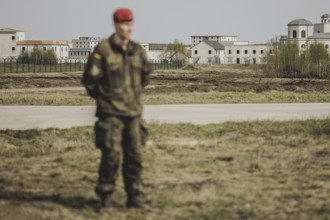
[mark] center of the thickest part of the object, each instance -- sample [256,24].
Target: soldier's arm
[146,69]
[93,72]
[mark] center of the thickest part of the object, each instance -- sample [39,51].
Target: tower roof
[326,16]
[300,22]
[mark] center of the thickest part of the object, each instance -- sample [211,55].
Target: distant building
[80,53]
[214,52]
[207,52]
[246,54]
[154,51]
[8,42]
[61,48]
[303,32]
[196,39]
[83,47]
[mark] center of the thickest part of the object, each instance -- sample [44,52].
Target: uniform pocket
[102,134]
[136,66]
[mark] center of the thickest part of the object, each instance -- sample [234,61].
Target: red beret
[123,14]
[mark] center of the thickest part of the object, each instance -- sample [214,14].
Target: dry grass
[249,170]
[80,98]
[190,85]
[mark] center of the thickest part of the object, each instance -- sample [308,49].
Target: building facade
[8,42]
[61,48]
[302,32]
[86,42]
[246,54]
[214,52]
[207,52]
[219,38]
[83,47]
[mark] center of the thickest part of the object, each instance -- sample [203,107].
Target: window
[237,51]
[196,52]
[210,51]
[294,34]
[229,51]
[303,34]
[327,46]
[45,48]
[13,49]
[262,51]
[238,61]
[13,37]
[303,46]
[246,51]
[23,48]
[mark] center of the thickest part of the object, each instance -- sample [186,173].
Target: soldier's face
[124,29]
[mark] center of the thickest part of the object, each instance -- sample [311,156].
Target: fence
[68,65]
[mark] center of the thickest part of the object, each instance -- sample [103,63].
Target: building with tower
[302,32]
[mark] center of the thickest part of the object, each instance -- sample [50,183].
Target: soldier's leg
[108,137]
[132,164]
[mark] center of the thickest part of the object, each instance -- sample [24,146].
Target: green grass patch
[59,98]
[246,170]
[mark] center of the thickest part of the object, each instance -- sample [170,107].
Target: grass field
[80,98]
[249,170]
[191,85]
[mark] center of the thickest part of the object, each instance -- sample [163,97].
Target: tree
[38,55]
[319,59]
[283,61]
[175,51]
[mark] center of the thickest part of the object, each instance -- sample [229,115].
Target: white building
[80,53]
[8,40]
[208,52]
[303,32]
[246,54]
[83,47]
[154,51]
[214,52]
[219,38]
[61,48]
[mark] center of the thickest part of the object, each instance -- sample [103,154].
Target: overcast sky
[159,21]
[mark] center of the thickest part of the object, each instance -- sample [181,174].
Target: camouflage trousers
[116,136]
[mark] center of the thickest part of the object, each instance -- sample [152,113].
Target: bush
[288,61]
[38,56]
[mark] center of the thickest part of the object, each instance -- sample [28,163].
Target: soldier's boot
[106,199]
[107,202]
[138,203]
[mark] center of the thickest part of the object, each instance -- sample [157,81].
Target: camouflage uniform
[115,78]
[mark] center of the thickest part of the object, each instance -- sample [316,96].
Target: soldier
[115,76]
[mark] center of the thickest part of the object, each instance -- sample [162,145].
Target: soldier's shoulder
[103,46]
[136,46]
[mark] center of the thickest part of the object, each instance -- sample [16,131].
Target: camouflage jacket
[116,77]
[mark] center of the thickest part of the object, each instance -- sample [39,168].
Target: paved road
[28,117]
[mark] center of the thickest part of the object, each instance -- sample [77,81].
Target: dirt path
[29,117]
